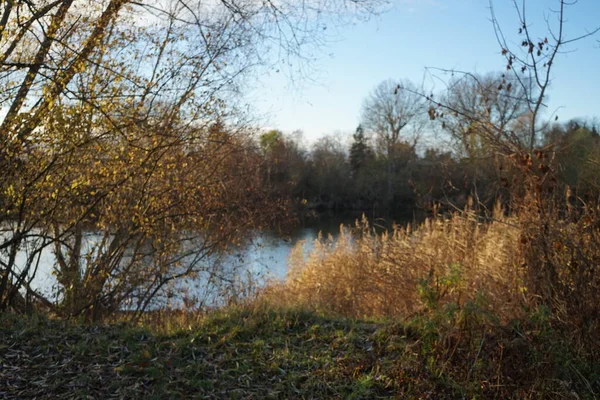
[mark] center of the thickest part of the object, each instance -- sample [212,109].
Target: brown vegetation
[365,274]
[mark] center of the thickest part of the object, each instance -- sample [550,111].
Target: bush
[560,248]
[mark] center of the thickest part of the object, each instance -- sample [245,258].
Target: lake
[264,256]
[269,251]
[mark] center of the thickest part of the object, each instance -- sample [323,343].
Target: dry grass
[443,260]
[546,254]
[560,249]
[489,300]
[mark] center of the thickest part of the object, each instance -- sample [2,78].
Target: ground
[249,354]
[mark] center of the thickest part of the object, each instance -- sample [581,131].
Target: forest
[130,166]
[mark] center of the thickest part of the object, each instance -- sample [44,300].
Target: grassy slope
[265,354]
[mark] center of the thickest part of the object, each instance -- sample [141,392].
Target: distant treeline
[334,174]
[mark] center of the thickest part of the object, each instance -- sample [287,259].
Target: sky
[413,35]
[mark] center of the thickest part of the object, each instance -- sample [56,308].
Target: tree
[110,127]
[486,109]
[502,115]
[285,163]
[158,215]
[394,113]
[481,112]
[530,65]
[360,152]
[331,174]
[577,155]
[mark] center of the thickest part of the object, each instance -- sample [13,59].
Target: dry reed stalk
[363,273]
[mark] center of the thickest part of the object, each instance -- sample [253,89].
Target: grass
[256,352]
[234,354]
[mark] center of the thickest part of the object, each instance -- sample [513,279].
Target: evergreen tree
[360,152]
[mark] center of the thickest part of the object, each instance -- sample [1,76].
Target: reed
[406,270]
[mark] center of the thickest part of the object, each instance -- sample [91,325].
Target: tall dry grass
[560,249]
[443,260]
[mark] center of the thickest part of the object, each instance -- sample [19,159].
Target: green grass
[243,353]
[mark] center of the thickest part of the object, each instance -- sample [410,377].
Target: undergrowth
[504,306]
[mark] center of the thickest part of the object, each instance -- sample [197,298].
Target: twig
[476,357]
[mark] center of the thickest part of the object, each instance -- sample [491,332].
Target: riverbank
[453,308]
[253,352]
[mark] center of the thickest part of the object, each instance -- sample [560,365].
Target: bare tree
[520,92]
[485,110]
[531,63]
[504,113]
[394,113]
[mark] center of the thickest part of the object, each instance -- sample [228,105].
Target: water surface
[263,257]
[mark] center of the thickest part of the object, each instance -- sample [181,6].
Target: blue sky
[415,34]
